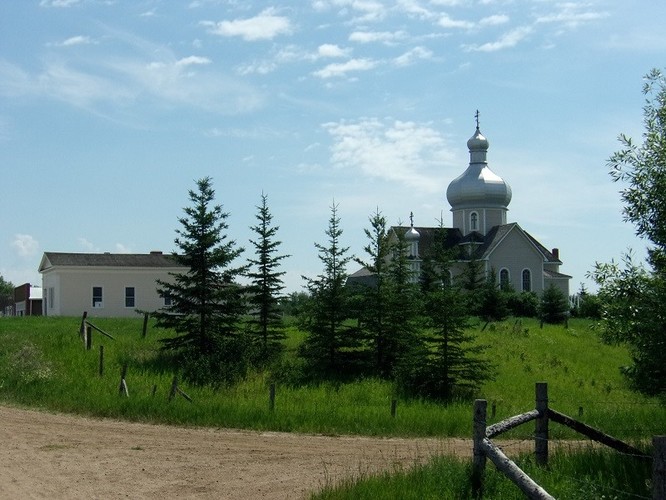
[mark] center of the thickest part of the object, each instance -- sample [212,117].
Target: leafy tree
[632,297]
[554,306]
[206,302]
[6,294]
[266,287]
[329,340]
[450,362]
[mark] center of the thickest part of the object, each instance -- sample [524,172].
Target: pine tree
[554,306]
[266,285]
[327,335]
[206,302]
[450,364]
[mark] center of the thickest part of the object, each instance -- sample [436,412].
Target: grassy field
[43,363]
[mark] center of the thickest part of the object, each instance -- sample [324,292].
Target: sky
[111,110]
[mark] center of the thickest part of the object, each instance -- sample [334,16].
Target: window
[51,293]
[474,221]
[129,296]
[504,279]
[167,299]
[97,297]
[527,280]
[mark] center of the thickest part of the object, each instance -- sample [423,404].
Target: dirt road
[44,455]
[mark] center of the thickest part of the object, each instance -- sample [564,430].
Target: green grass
[43,363]
[580,475]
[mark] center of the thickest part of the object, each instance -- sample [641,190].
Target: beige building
[479,201]
[104,284]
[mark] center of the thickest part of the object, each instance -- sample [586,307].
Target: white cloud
[87,245]
[387,37]
[58,3]
[75,40]
[367,10]
[494,20]
[412,55]
[192,60]
[122,248]
[404,152]
[265,26]
[331,50]
[341,69]
[25,245]
[445,21]
[571,15]
[508,40]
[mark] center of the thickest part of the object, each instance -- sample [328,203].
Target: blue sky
[110,111]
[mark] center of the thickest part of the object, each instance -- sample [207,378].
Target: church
[479,201]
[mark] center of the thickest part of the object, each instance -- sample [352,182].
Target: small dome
[412,234]
[477,142]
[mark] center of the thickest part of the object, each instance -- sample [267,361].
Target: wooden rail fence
[484,448]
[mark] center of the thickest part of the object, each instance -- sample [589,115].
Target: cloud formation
[264,26]
[25,245]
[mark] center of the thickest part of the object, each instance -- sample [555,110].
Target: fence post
[145,325]
[101,360]
[541,431]
[394,405]
[271,397]
[659,468]
[479,434]
[82,328]
[88,335]
[123,384]
[174,388]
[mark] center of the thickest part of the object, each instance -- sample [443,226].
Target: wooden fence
[484,448]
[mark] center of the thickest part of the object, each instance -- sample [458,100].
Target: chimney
[556,253]
[156,252]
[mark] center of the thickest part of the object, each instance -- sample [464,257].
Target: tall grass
[579,475]
[43,363]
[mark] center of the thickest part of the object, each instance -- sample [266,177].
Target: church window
[474,221]
[527,280]
[504,278]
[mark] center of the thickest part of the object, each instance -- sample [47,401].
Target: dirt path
[44,455]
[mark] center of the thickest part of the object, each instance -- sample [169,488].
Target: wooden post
[394,405]
[101,360]
[123,385]
[493,410]
[145,325]
[541,430]
[154,390]
[271,397]
[82,328]
[478,435]
[174,388]
[88,338]
[580,411]
[659,468]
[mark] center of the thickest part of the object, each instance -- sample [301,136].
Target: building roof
[153,259]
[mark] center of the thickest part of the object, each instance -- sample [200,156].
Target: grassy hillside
[43,363]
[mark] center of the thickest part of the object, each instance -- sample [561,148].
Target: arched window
[527,280]
[474,221]
[504,279]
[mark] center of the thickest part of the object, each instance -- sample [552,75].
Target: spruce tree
[266,285]
[451,363]
[205,302]
[327,335]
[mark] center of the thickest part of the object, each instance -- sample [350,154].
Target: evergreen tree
[450,364]
[328,338]
[266,285]
[493,301]
[374,299]
[554,306]
[206,303]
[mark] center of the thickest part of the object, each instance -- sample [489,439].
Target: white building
[104,284]
[479,201]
